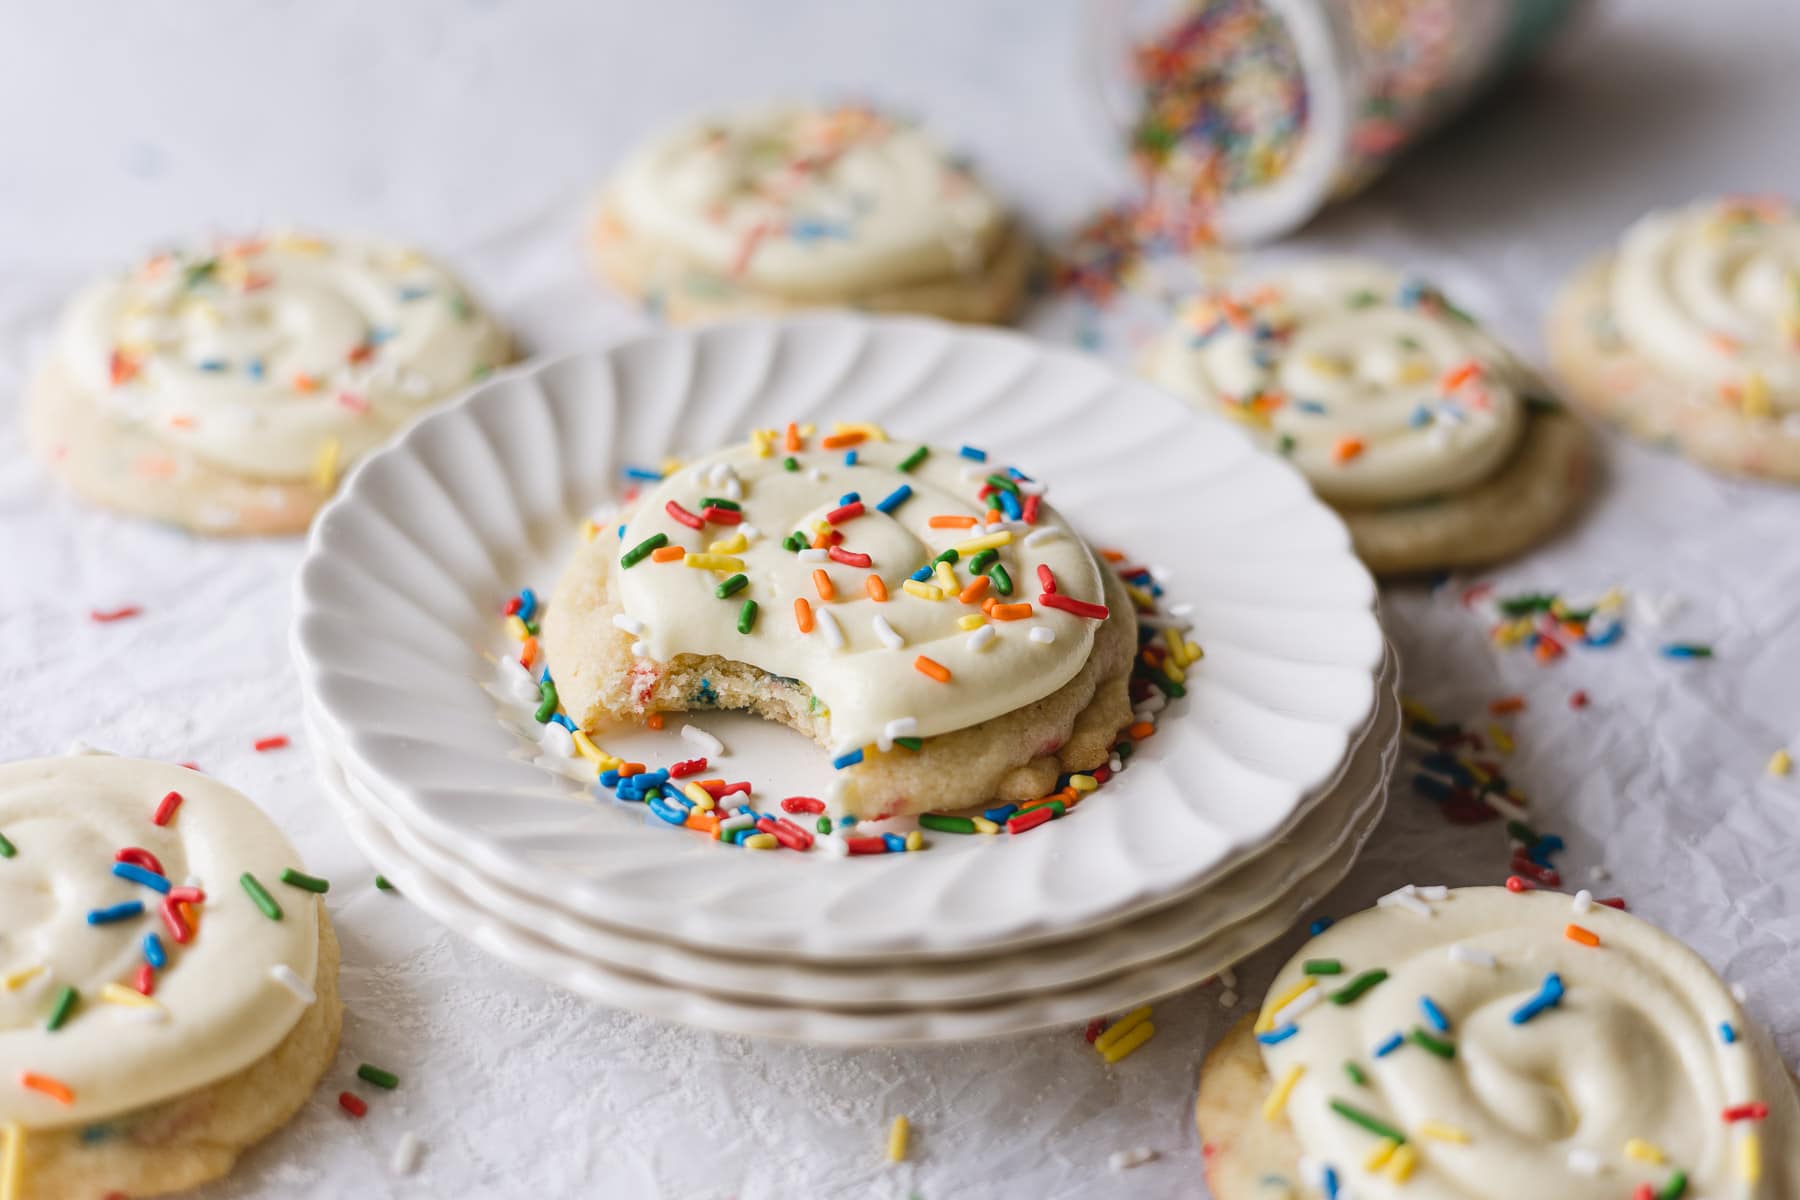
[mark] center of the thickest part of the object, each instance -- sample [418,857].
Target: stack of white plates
[1249,802]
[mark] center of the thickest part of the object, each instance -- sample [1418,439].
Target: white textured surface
[474,130]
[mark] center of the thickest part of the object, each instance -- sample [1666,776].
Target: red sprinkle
[848,512]
[683,515]
[262,745]
[106,616]
[849,558]
[1031,818]
[1548,876]
[176,923]
[137,856]
[1617,902]
[1080,608]
[512,607]
[1578,699]
[1095,1028]
[682,770]
[1028,511]
[1046,579]
[721,516]
[353,1104]
[1471,595]
[1746,1112]
[1515,884]
[165,811]
[802,804]
[146,979]
[787,833]
[1507,704]
[865,845]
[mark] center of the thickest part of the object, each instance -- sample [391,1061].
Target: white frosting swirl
[270,356]
[1629,1078]
[808,202]
[1379,390]
[1711,294]
[860,657]
[215,1007]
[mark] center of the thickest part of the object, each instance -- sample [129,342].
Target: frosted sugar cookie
[1434,443]
[1689,333]
[920,612]
[225,387]
[786,208]
[1483,1043]
[168,978]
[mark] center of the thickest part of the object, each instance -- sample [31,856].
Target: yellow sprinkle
[1401,1166]
[807,429]
[988,542]
[1780,763]
[1416,372]
[1326,364]
[1502,740]
[1436,1132]
[118,993]
[923,591]
[732,545]
[1278,1095]
[1083,783]
[584,746]
[915,840]
[699,795]
[1266,1022]
[1118,1029]
[589,531]
[1126,1046]
[897,1133]
[516,626]
[1248,415]
[1643,1151]
[821,526]
[1194,653]
[946,578]
[1174,672]
[1756,396]
[325,465]
[670,466]
[714,562]
[12,1161]
[1613,601]
[295,243]
[1750,1158]
[1417,711]
[972,621]
[1139,596]
[1379,1156]
[868,429]
[983,825]
[20,978]
[761,440]
[760,841]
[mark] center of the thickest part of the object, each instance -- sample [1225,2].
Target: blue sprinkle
[1010,506]
[972,452]
[1320,926]
[380,334]
[668,811]
[414,293]
[848,760]
[153,951]
[743,835]
[1549,996]
[1392,1043]
[212,364]
[1018,474]
[1727,1034]
[609,778]
[563,720]
[643,473]
[846,821]
[1310,407]
[137,874]
[118,912]
[1433,788]
[1434,1014]
[895,498]
[998,815]
[1420,416]
[922,574]
[895,843]
[527,604]
[1606,635]
[1686,650]
[849,498]
[1279,1034]
[621,533]
[849,458]
[254,368]
[1331,1183]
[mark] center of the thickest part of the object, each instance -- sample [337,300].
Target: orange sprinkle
[837,441]
[1547,649]
[181,421]
[803,614]
[702,820]
[627,770]
[653,721]
[1113,555]
[822,581]
[951,522]
[1346,449]
[1457,376]
[1507,704]
[668,553]
[936,670]
[793,437]
[1009,612]
[1724,343]
[304,382]
[975,591]
[821,540]
[987,604]
[56,1089]
[992,515]
[527,652]
[1575,933]
[1140,730]
[877,590]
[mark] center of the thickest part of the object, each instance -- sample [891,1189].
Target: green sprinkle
[382,884]
[1123,750]
[7,849]
[1364,299]
[823,825]
[949,556]
[793,542]
[1355,1073]
[641,551]
[1530,602]
[1522,832]
[982,560]
[1353,990]
[735,583]
[305,882]
[790,463]
[1003,483]
[1436,1045]
[1373,1124]
[1002,581]
[258,893]
[1322,966]
[911,743]
[547,702]
[946,824]
[1285,444]
[1675,1188]
[65,1005]
[747,616]
[719,502]
[1055,806]
[370,1073]
[915,458]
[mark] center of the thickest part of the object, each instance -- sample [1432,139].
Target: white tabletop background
[476,128]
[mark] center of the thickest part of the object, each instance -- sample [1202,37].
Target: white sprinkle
[814,474]
[1584,1162]
[734,823]
[981,637]
[901,727]
[1184,609]
[888,635]
[1405,897]
[629,624]
[975,474]
[406,1154]
[1301,1003]
[1228,977]
[734,490]
[518,682]
[1434,892]
[1471,955]
[287,977]
[1124,1160]
[1161,573]
[1599,874]
[811,555]
[79,747]
[1115,764]
[834,846]
[1506,808]
[829,627]
[147,1014]
[1030,487]
[1040,535]
[1155,702]
[1738,993]
[750,532]
[640,649]
[709,745]
[1043,635]
[1228,999]
[1583,901]
[556,741]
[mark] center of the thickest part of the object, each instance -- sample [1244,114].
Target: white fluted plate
[396,622]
